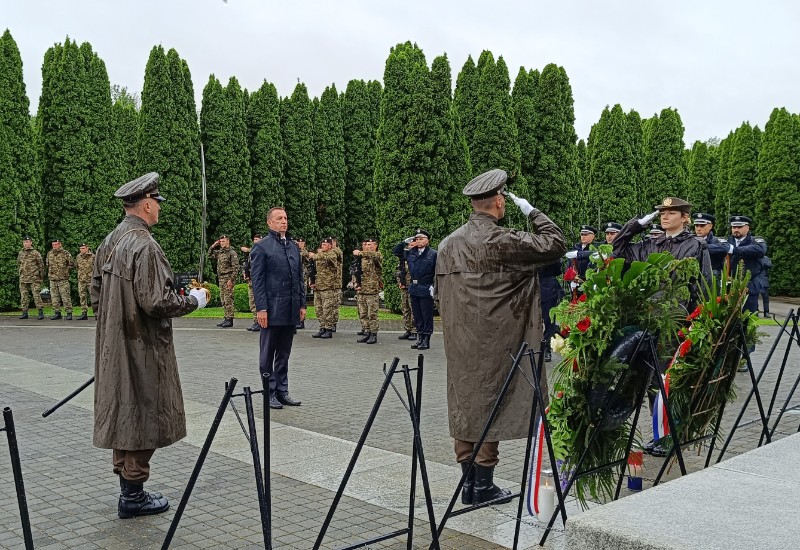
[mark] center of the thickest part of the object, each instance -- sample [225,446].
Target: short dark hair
[273,209]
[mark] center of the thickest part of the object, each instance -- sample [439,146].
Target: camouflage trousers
[368,311]
[33,288]
[326,303]
[252,300]
[226,297]
[59,294]
[408,315]
[83,292]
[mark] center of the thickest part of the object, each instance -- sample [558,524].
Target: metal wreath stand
[16,469]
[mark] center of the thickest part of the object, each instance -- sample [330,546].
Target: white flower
[557,343]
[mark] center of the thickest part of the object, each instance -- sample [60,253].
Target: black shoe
[274,403]
[413,336]
[373,338]
[285,399]
[83,316]
[319,333]
[333,329]
[364,338]
[362,332]
[301,325]
[227,323]
[69,317]
[135,501]
[469,484]
[424,342]
[485,489]
[56,317]
[255,327]
[24,315]
[742,367]
[654,448]
[328,333]
[407,336]
[123,481]
[41,314]
[548,356]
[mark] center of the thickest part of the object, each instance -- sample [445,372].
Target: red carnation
[683,349]
[583,324]
[582,298]
[698,310]
[719,299]
[560,394]
[681,335]
[574,364]
[565,331]
[570,274]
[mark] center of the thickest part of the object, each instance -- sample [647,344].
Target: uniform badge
[667,201]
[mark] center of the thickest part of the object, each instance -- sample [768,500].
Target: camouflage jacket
[328,270]
[85,264]
[371,272]
[227,262]
[59,262]
[340,267]
[31,266]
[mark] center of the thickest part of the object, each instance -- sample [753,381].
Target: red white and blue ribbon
[535,469]
[660,423]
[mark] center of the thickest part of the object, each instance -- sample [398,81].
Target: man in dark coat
[280,294]
[580,255]
[488,289]
[138,403]
[717,248]
[422,267]
[743,248]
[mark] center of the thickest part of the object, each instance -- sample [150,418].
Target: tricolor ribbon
[535,470]
[660,422]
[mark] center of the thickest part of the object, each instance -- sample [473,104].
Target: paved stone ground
[72,493]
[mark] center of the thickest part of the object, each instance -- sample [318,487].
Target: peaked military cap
[143,187]
[328,240]
[613,227]
[421,231]
[54,241]
[674,203]
[298,239]
[27,238]
[588,229]
[84,244]
[260,236]
[656,228]
[701,218]
[487,184]
[223,236]
[740,221]
[369,240]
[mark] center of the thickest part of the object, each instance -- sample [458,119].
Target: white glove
[648,218]
[571,255]
[573,285]
[730,249]
[523,205]
[594,255]
[431,291]
[201,295]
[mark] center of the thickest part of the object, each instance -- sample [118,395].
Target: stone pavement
[72,493]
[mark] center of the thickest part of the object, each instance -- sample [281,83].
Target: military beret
[701,218]
[54,241]
[656,228]
[141,188]
[27,238]
[370,240]
[296,239]
[613,227]
[83,244]
[487,184]
[223,236]
[328,240]
[420,231]
[588,229]
[674,203]
[740,221]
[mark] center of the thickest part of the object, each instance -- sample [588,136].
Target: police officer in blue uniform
[422,266]
[742,247]
[580,252]
[612,230]
[717,247]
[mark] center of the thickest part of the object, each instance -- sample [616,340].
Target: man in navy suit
[422,266]
[742,247]
[280,296]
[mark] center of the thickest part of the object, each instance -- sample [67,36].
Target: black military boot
[300,325]
[227,323]
[24,315]
[364,338]
[418,343]
[327,334]
[69,316]
[319,333]
[424,341]
[413,336]
[407,336]
[56,316]
[373,338]
[469,484]
[548,355]
[255,327]
[485,489]
[41,314]
[361,332]
[135,501]
[83,316]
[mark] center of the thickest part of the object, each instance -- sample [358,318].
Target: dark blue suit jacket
[277,277]
[423,270]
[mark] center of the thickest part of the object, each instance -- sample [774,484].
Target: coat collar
[136,221]
[482,217]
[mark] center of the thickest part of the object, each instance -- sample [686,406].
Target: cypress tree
[329,167]
[522,101]
[700,179]
[125,124]
[360,116]
[635,136]
[664,173]
[742,172]
[298,164]
[224,135]
[721,183]
[266,161]
[611,169]
[778,197]
[465,99]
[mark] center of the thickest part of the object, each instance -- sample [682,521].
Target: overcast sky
[718,62]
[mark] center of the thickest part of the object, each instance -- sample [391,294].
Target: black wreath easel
[16,469]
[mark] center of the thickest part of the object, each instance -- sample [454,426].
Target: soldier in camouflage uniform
[326,287]
[403,277]
[85,263]
[355,284]
[59,263]
[227,268]
[339,280]
[306,264]
[246,274]
[31,273]
[371,284]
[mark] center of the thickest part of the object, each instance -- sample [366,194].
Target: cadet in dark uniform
[612,230]
[422,266]
[717,248]
[581,252]
[551,294]
[743,248]
[762,281]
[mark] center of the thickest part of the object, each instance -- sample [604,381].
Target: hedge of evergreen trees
[377,159]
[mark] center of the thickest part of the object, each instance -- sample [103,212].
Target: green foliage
[742,172]
[721,187]
[329,167]
[700,177]
[266,145]
[664,172]
[224,136]
[522,102]
[778,197]
[241,298]
[125,124]
[298,165]
[635,136]
[215,299]
[465,99]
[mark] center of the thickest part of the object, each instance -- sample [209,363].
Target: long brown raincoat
[488,290]
[138,403]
